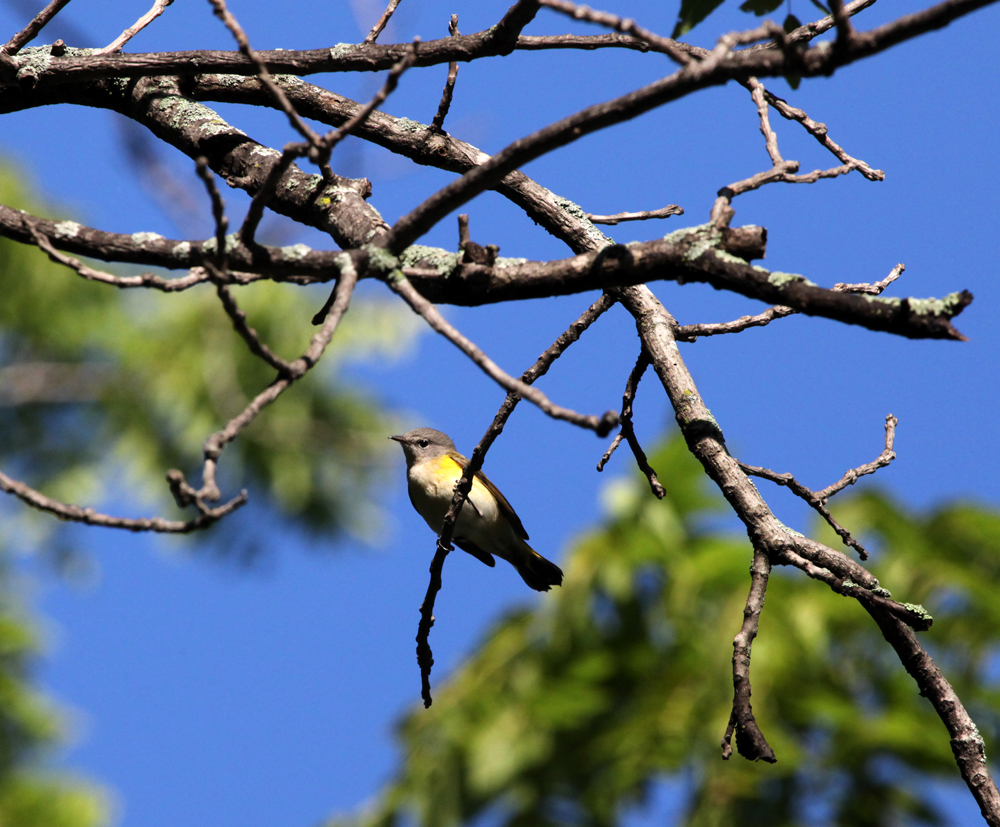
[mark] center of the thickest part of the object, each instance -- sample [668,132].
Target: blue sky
[209,695]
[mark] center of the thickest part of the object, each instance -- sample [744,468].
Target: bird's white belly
[431,495]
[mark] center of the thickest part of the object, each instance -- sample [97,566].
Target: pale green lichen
[66,229]
[884,301]
[181,250]
[781,280]
[948,306]
[790,531]
[33,61]
[185,114]
[705,238]
[407,125]
[340,50]
[682,235]
[919,611]
[601,240]
[509,262]
[419,255]
[146,238]
[881,592]
[382,261]
[725,255]
[232,242]
[297,252]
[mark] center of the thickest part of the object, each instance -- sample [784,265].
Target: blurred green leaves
[103,390]
[567,714]
[30,727]
[693,12]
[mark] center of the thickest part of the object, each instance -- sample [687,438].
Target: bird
[487,524]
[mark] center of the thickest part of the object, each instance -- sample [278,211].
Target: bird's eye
[423,443]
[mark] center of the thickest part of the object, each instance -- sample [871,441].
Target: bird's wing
[477,552]
[506,509]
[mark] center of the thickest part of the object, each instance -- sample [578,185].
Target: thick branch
[696,254]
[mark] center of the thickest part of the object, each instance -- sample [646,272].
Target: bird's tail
[537,572]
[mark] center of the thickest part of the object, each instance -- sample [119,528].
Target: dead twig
[872,289]
[381,23]
[628,432]
[449,86]
[88,516]
[30,32]
[675,50]
[618,218]
[690,332]
[750,741]
[159,6]
[818,499]
[400,285]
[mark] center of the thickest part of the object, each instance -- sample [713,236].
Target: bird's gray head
[424,443]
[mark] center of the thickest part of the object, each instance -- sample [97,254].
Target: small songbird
[487,524]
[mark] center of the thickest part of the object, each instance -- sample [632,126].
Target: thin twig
[618,218]
[89,516]
[197,275]
[326,144]
[750,741]
[250,336]
[296,370]
[218,214]
[263,74]
[782,170]
[30,32]
[255,212]
[819,132]
[770,137]
[449,86]
[818,499]
[628,432]
[810,497]
[690,332]
[425,656]
[916,617]
[851,477]
[842,20]
[670,47]
[872,289]
[402,287]
[159,6]
[220,271]
[372,36]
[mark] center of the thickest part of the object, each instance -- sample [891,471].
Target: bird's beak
[398,438]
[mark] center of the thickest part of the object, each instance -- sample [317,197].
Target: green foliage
[691,13]
[567,714]
[29,728]
[159,373]
[761,7]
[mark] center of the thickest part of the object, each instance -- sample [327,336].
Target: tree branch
[750,741]
[402,287]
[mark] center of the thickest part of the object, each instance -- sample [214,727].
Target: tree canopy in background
[568,713]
